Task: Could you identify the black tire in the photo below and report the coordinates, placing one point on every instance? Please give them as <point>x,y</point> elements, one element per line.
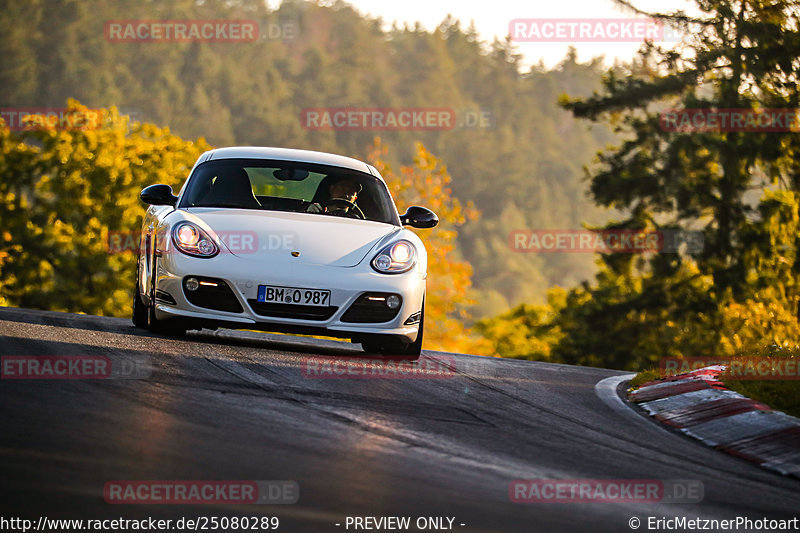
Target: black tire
<point>171,328</point>
<point>139,317</point>
<point>415,348</point>
<point>174,327</point>
<point>392,347</point>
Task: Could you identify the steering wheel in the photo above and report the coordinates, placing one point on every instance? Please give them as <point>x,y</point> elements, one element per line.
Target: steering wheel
<point>353,212</point>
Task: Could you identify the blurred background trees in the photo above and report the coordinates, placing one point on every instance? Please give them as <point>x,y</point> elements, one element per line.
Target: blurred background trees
<point>522,168</point>
<point>738,188</point>
<point>534,165</point>
<point>62,191</point>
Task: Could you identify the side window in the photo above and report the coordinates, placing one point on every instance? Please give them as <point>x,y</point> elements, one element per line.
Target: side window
<point>200,186</point>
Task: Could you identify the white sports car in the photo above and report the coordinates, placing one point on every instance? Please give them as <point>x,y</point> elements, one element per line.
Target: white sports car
<point>283,240</point>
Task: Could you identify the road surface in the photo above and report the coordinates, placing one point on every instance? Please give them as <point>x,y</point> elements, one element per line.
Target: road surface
<point>251,406</point>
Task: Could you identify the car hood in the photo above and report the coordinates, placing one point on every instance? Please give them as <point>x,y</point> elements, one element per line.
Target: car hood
<point>273,236</point>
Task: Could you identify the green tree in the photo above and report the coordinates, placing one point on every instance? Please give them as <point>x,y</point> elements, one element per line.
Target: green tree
<point>738,54</point>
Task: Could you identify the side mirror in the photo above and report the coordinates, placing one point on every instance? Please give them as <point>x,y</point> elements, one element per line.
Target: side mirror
<point>419,217</point>
<point>158,195</point>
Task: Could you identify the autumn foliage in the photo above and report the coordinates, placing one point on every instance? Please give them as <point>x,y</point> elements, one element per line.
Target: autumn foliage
<point>449,294</point>
<point>63,190</point>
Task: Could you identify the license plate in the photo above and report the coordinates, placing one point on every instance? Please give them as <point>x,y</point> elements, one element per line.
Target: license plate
<point>293,295</point>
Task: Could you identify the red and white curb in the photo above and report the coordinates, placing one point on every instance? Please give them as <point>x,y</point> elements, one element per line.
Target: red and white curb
<point>699,405</point>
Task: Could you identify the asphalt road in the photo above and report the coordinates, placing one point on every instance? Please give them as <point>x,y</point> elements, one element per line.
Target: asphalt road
<point>247,406</point>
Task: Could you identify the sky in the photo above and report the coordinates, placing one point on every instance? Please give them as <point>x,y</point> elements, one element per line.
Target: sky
<point>492,19</point>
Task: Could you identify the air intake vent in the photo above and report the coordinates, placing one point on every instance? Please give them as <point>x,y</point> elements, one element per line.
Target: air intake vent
<point>211,293</point>
<point>374,307</point>
<point>302,312</point>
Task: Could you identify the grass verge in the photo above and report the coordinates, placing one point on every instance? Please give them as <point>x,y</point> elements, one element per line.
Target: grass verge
<point>781,364</point>
<point>782,393</point>
<point>644,376</point>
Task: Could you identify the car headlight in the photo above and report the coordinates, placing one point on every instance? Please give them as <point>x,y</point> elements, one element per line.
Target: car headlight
<point>192,240</point>
<point>396,258</point>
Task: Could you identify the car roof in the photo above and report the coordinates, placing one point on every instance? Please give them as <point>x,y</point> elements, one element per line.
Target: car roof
<point>288,154</point>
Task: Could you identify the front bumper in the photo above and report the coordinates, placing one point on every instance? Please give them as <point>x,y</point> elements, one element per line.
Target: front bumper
<point>346,284</point>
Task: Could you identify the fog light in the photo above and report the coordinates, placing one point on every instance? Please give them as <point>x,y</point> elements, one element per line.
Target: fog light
<point>192,284</point>
<point>393,301</point>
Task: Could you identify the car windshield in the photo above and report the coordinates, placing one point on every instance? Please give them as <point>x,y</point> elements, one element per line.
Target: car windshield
<point>289,186</point>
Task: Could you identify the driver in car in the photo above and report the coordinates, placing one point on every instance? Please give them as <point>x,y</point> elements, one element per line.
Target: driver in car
<point>346,189</point>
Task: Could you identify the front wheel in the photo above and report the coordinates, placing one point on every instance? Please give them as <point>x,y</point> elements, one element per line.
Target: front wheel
<point>139,317</point>
<point>172,327</point>
<point>394,347</point>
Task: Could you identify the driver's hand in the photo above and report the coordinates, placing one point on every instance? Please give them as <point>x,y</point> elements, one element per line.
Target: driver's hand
<point>314,208</point>
<point>339,207</point>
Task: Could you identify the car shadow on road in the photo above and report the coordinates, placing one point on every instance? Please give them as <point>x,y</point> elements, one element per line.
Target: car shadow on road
<point>253,339</point>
